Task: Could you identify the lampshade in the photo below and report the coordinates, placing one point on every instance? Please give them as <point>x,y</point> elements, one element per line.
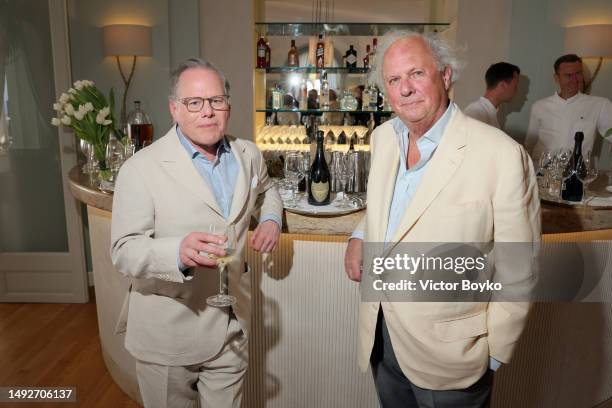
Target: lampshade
<point>589,40</point>
<point>127,40</point>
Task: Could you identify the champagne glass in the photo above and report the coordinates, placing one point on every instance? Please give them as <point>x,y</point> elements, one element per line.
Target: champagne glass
<point>115,155</point>
<point>294,172</point>
<point>342,172</point>
<point>222,299</point>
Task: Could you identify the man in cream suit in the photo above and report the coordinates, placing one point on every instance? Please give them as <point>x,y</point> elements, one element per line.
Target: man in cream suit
<point>167,198</point>
<point>439,176</point>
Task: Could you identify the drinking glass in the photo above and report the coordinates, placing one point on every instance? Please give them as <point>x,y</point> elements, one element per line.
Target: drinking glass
<point>587,171</point>
<point>85,148</point>
<point>342,171</point>
<point>115,154</point>
<point>222,299</point>
<point>294,172</point>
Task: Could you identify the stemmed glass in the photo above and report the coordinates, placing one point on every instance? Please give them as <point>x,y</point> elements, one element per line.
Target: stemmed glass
<point>222,299</point>
<point>586,171</point>
<point>294,172</point>
<point>342,171</point>
<point>115,155</point>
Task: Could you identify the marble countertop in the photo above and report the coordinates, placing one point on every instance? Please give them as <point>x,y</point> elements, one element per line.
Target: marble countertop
<point>555,218</point>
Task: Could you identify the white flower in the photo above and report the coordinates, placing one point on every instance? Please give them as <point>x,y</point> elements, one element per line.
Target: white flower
<point>58,106</point>
<point>89,107</point>
<point>65,120</point>
<point>64,98</point>
<point>99,119</point>
<point>72,91</point>
<point>104,112</point>
<point>79,85</point>
<point>107,122</point>
<point>79,115</point>
<point>55,122</point>
<point>69,109</point>
<point>88,83</point>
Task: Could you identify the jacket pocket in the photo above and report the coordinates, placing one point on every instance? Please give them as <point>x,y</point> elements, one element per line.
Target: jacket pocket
<point>461,328</point>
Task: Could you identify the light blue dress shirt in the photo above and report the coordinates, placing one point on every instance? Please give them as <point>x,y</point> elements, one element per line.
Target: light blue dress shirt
<point>220,175</point>
<point>407,180</point>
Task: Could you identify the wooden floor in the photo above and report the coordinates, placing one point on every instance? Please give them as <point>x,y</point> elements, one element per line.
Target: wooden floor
<point>55,345</point>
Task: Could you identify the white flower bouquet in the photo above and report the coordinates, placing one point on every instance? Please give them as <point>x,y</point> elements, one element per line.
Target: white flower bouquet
<point>86,111</point>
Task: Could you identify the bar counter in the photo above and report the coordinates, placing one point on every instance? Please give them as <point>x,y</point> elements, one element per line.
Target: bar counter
<point>303,342</point>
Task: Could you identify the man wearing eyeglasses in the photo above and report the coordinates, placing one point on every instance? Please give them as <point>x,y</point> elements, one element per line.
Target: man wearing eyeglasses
<point>167,197</point>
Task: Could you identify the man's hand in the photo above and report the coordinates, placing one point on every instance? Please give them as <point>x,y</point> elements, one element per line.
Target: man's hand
<point>197,242</point>
<point>265,236</point>
<point>353,259</point>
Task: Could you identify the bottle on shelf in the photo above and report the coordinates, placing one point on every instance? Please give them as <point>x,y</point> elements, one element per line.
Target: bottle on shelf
<point>572,188</point>
<point>303,98</point>
<point>324,94</point>
<point>373,53</point>
<point>268,54</point>
<point>366,94</point>
<point>319,181</point>
<point>350,57</point>
<point>366,59</point>
<point>320,52</point>
<point>293,59</point>
<point>277,97</point>
<point>140,127</point>
<point>373,98</point>
<point>261,52</point>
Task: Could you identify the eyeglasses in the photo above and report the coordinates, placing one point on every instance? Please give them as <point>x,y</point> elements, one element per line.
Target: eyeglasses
<point>196,103</point>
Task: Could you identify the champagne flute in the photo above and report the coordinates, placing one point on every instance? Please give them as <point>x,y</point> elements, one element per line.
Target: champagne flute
<point>294,172</point>
<point>222,299</point>
<point>587,172</point>
<point>341,170</point>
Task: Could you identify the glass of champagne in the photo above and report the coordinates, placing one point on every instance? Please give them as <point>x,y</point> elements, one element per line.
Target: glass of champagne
<point>222,299</point>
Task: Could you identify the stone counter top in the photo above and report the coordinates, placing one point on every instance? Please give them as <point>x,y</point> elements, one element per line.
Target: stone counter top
<point>555,218</point>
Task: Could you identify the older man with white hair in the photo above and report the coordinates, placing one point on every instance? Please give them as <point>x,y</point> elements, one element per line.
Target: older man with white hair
<point>438,176</point>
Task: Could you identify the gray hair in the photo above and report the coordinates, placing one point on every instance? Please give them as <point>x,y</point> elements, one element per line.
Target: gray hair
<point>441,50</point>
<point>191,63</point>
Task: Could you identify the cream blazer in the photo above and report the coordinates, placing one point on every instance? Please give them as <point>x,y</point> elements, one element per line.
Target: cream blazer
<point>479,186</point>
<point>159,199</point>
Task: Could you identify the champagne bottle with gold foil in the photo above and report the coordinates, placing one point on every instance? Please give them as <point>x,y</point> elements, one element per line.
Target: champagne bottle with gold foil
<point>319,181</point>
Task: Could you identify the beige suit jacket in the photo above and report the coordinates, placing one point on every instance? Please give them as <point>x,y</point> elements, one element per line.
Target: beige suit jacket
<point>159,199</point>
<point>479,186</point>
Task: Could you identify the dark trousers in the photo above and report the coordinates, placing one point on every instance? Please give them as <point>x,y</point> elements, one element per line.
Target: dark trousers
<point>395,390</point>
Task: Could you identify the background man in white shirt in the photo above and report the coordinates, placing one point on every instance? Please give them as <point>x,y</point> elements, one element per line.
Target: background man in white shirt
<point>502,81</point>
<point>554,120</point>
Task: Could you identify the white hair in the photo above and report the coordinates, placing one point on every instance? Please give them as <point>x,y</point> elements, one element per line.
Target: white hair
<point>191,63</point>
<point>442,51</point>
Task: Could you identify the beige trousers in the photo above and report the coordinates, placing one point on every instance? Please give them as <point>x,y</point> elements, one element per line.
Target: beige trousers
<point>216,383</point>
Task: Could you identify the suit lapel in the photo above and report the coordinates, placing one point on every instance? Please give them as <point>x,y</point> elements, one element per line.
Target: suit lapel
<point>176,161</point>
<point>392,161</point>
<point>243,179</point>
<point>440,169</point>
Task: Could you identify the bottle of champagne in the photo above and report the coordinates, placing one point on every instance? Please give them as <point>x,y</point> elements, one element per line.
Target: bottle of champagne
<point>572,189</point>
<point>350,57</point>
<point>320,52</point>
<point>319,182</point>
<point>293,57</point>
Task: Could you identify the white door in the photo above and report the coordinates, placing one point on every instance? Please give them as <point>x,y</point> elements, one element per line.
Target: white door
<point>41,240</point>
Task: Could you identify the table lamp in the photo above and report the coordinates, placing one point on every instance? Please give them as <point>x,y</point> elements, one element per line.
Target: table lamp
<point>590,41</point>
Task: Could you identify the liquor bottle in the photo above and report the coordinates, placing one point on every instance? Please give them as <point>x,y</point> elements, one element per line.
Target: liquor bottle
<point>373,53</point>
<point>293,57</point>
<point>373,98</point>
<point>319,182</point>
<point>365,98</point>
<point>140,128</point>
<point>572,189</point>
<point>324,94</point>
<point>277,97</point>
<point>366,59</point>
<point>261,52</point>
<point>268,54</point>
<point>320,53</point>
<point>350,57</point>
<point>303,98</point>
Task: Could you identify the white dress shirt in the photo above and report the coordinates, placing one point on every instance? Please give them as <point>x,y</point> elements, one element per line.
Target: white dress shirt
<point>554,121</point>
<point>484,111</point>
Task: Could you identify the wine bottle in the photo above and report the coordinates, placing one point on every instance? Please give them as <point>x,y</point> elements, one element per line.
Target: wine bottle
<point>320,52</point>
<point>293,57</point>
<point>261,52</point>
<point>350,57</point>
<point>572,189</point>
<point>319,182</point>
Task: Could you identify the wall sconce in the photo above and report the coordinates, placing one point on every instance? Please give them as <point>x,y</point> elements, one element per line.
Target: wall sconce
<point>127,40</point>
<point>590,41</point>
